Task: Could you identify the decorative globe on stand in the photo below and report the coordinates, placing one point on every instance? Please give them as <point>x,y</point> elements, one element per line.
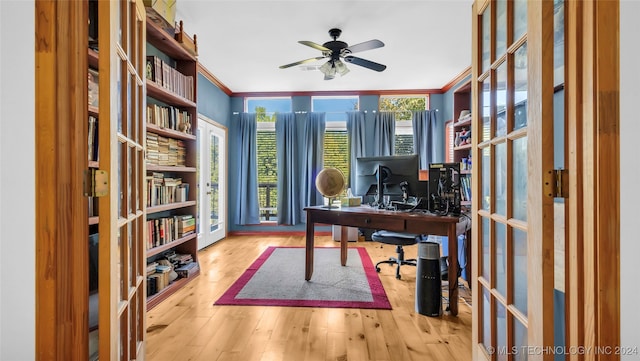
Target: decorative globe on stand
<point>330,183</point>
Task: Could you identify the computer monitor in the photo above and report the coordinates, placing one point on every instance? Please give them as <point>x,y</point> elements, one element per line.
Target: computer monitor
<point>399,176</point>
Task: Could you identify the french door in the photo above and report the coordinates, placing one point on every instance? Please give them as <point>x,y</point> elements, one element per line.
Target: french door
<point>513,233</point>
<point>212,185</point>
<point>546,222</point>
<point>122,286</point>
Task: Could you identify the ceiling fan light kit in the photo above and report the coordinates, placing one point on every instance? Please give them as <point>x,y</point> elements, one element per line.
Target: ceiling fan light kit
<point>337,51</point>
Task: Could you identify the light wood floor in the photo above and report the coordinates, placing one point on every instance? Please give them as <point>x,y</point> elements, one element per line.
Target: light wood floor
<point>187,326</point>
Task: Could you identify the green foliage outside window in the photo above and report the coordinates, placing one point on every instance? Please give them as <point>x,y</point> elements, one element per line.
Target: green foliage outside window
<point>336,153</point>
<point>402,106</point>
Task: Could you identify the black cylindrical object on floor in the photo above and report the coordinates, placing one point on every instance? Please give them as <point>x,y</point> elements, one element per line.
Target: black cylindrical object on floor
<point>428,283</point>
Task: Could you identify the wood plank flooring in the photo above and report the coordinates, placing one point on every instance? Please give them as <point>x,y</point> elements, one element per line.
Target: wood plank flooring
<point>187,326</point>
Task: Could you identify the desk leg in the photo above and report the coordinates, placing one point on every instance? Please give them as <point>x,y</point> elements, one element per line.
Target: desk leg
<point>308,266</point>
<point>453,269</point>
<point>343,244</point>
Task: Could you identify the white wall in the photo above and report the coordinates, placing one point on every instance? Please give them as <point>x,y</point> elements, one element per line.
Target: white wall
<point>17,180</point>
<point>629,192</point>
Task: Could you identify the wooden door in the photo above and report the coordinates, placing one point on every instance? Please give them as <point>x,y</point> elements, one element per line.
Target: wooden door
<point>122,288</point>
<point>513,89</point>
<point>61,155</point>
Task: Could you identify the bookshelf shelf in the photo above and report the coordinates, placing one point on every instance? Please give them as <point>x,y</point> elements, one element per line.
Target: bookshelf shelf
<point>160,168</point>
<point>176,285</point>
<point>462,147</point>
<point>158,92</point>
<point>94,220</point>
<point>157,250</point>
<point>169,132</point>
<point>463,123</point>
<point>93,111</point>
<point>170,206</point>
<point>175,110</point>
<point>165,43</point>
<point>94,164</point>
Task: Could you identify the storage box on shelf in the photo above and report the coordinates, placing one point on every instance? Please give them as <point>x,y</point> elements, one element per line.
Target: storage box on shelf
<point>171,162</point>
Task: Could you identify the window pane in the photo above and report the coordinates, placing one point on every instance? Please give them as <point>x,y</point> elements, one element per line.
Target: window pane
<point>335,143</point>
<point>501,178</point>
<point>486,109</point>
<point>486,318</point>
<point>486,248</point>
<point>501,100</point>
<point>486,178</point>
<point>214,179</point>
<point>520,270</point>
<point>521,84</point>
<point>267,174</point>
<point>270,105</point>
<point>558,42</point>
<point>501,331</point>
<point>404,144</point>
<point>486,39</point>
<point>519,190</point>
<point>519,18</point>
<point>500,258</point>
<point>519,340</point>
<point>501,27</point>
<point>335,107</point>
<point>403,106</point>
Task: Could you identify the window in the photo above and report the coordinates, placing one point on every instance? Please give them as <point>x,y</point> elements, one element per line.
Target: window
<point>403,106</point>
<point>265,109</point>
<point>335,138</point>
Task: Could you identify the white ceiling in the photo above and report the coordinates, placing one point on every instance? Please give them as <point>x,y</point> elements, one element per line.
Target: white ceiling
<point>242,43</point>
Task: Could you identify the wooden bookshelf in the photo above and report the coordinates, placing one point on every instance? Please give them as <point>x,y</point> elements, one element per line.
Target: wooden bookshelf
<point>181,109</point>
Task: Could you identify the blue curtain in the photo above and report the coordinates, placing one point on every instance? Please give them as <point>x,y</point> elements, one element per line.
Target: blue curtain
<point>424,136</point>
<point>384,133</point>
<point>288,156</point>
<point>356,138</point>
<point>248,210</point>
<point>313,159</point>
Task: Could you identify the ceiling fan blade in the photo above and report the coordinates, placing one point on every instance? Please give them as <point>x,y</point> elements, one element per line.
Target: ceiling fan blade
<point>314,45</point>
<point>367,45</point>
<point>301,62</point>
<point>365,63</point>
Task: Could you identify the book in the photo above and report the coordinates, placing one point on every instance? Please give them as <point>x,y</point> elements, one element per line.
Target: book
<point>187,270</point>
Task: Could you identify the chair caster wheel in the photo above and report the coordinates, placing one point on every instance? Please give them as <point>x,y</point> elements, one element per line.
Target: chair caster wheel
<point>398,277</point>
<point>377,269</point>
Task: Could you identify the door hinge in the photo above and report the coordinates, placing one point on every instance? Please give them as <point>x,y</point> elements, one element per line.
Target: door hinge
<point>557,183</point>
<point>96,183</point>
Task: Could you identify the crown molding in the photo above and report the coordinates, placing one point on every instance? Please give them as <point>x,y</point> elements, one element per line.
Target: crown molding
<point>207,74</point>
<point>456,80</point>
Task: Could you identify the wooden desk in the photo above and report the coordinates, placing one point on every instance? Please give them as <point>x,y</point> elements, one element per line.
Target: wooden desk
<point>397,221</point>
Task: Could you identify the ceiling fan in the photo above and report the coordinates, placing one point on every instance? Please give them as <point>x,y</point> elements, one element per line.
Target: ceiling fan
<point>336,50</point>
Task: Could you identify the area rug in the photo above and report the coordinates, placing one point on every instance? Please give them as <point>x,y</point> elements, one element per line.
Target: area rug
<point>276,278</point>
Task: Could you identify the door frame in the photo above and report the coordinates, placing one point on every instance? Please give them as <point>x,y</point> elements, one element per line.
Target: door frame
<point>62,224</point>
<point>593,115</point>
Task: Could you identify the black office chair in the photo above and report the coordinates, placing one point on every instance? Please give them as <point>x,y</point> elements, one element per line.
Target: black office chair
<point>399,240</point>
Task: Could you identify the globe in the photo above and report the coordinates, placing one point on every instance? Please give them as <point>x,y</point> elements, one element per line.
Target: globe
<point>330,182</point>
